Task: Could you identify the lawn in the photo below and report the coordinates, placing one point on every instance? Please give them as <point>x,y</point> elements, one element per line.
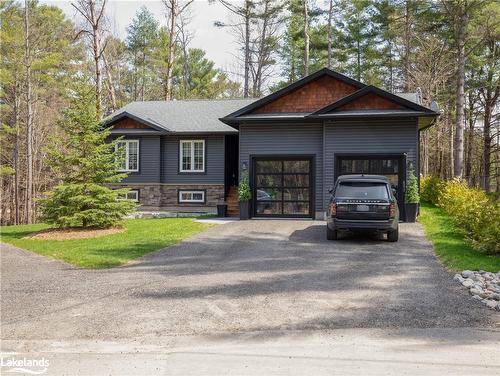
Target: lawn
<point>142,236</point>
<point>450,245</point>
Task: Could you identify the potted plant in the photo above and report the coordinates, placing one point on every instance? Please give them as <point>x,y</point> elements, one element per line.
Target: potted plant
<point>244,196</point>
<point>412,198</point>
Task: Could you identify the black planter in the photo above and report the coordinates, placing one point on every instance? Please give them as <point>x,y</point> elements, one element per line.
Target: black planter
<point>221,210</point>
<point>411,212</point>
<point>244,210</point>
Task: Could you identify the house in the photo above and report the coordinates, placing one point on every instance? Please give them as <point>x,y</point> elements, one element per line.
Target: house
<point>292,144</point>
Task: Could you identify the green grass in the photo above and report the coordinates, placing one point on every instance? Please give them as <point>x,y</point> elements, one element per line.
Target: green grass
<point>449,243</point>
<point>141,236</point>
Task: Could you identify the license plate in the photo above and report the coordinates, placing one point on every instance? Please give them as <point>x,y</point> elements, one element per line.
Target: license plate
<point>362,208</point>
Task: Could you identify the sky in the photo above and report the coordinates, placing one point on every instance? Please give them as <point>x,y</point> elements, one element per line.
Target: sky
<point>218,43</point>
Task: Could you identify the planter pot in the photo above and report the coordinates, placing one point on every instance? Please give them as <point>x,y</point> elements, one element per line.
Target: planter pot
<point>411,212</point>
<point>244,210</point>
<point>221,210</point>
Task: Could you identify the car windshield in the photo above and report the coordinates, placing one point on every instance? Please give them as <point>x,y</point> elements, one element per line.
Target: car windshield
<point>362,190</point>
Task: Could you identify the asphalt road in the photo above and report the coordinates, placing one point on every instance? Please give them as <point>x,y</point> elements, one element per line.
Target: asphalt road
<point>247,297</point>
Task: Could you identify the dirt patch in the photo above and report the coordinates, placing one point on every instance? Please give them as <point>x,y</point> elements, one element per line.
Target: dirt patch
<point>74,233</point>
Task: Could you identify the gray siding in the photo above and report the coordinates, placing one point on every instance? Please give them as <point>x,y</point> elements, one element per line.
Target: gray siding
<point>394,136</point>
<point>214,161</point>
<point>292,139</point>
<point>149,160</point>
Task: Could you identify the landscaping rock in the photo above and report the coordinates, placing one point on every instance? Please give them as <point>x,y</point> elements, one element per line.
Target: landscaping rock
<point>483,286</point>
<point>468,283</point>
<point>491,304</point>
<point>475,291</point>
<point>467,274</point>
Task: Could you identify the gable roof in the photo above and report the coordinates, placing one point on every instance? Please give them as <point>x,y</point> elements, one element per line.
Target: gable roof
<point>183,116</point>
<point>290,88</point>
<point>403,103</point>
<point>392,105</point>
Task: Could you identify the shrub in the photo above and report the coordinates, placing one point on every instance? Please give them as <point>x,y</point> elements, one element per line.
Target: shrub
<point>244,192</point>
<point>430,188</point>
<point>412,196</point>
<point>470,208</point>
<point>85,205</point>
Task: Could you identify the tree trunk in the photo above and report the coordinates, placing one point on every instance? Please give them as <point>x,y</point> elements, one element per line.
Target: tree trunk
<point>17,219</point>
<point>96,52</point>
<point>257,85</point>
<point>171,48</point>
<point>306,39</point>
<point>246,84</point>
<point>487,139</point>
<point>29,119</point>
<point>406,58</point>
<point>110,82</point>
<point>330,35</point>
<point>358,58</point>
<point>460,96</point>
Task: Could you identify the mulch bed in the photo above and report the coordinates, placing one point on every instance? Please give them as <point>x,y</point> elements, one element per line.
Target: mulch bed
<point>74,233</point>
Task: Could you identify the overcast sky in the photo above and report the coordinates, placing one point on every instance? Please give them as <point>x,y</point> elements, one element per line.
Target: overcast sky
<point>218,43</point>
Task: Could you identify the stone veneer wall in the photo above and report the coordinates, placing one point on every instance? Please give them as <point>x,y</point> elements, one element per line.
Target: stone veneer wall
<point>158,196</point>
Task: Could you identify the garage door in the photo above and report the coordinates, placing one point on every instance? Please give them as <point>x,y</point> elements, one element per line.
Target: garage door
<point>391,166</point>
<point>282,187</point>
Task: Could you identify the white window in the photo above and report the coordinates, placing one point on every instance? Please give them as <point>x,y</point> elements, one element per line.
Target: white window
<point>128,154</point>
<point>192,196</point>
<point>192,156</point>
<point>132,195</point>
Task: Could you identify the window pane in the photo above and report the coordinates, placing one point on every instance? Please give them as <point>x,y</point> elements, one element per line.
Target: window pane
<point>121,155</point>
<point>268,166</point>
<point>198,155</point>
<point>269,180</point>
<point>296,166</point>
<point>268,194</point>
<point>198,196</point>
<point>186,156</point>
<point>133,155</point>
<point>296,180</point>
<point>268,208</point>
<point>362,190</point>
<point>295,194</point>
<point>301,208</point>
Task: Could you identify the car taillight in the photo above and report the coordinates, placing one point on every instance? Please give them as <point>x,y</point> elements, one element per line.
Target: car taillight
<point>392,210</point>
<point>333,209</point>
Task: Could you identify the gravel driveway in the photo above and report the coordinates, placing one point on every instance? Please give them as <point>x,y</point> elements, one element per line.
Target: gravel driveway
<point>238,277</point>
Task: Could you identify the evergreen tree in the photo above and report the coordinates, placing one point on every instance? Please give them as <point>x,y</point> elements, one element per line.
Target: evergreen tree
<point>142,37</point>
<point>88,161</point>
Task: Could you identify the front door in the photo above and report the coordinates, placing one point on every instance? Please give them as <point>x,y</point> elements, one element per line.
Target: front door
<point>282,186</point>
<point>391,166</point>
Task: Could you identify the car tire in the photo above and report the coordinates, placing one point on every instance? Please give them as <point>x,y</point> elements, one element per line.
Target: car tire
<point>331,234</point>
<point>393,236</point>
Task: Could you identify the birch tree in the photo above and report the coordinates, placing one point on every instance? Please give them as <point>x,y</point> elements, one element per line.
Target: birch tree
<point>174,11</point>
<point>93,29</point>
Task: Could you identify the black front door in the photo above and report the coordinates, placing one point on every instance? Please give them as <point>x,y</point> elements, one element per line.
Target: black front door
<point>282,186</point>
<point>391,166</point>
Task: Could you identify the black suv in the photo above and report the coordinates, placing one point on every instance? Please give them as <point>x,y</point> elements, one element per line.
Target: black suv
<point>363,202</point>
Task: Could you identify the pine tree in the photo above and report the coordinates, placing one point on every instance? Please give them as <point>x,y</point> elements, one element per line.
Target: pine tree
<point>88,161</point>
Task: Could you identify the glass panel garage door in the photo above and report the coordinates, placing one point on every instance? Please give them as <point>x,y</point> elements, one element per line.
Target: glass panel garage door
<point>282,187</point>
<point>393,167</point>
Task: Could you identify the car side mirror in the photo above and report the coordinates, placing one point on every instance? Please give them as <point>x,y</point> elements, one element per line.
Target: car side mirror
<point>330,190</point>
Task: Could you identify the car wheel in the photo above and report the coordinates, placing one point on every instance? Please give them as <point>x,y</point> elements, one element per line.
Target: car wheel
<point>393,236</point>
<point>331,234</point>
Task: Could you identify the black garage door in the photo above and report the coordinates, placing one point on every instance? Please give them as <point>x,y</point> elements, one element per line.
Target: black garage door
<point>391,166</point>
<point>282,187</point>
